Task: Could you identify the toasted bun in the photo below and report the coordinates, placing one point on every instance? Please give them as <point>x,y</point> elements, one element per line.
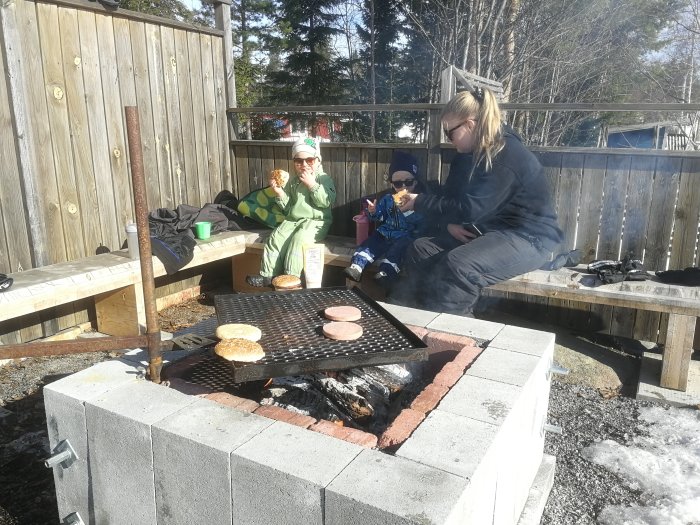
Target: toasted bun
<point>286,281</point>
<point>238,331</point>
<point>241,350</point>
<point>399,195</point>
<point>280,177</point>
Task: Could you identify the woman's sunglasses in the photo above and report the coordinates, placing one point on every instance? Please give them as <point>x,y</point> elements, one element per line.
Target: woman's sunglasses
<point>450,132</point>
<point>309,160</point>
<point>403,183</point>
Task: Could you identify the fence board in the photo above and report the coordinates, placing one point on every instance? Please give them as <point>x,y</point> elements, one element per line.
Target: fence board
<point>200,125</point>
<point>685,229</point>
<point>149,142</point>
<point>127,92</point>
<point>255,174</point>
<point>38,128</point>
<point>614,191</point>
<point>214,158</point>
<point>368,174</point>
<point>268,162</point>
<point>114,121</point>
<point>334,165</point>
<point>190,181</point>
<point>591,205</point>
<point>220,114</point>
<point>240,153</point>
<point>172,105</point>
<point>14,240</point>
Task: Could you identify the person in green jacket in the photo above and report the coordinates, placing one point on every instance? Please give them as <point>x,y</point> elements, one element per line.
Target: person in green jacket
<point>306,201</point>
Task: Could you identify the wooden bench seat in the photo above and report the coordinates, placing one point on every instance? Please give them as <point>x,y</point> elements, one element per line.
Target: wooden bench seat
<point>114,281</point>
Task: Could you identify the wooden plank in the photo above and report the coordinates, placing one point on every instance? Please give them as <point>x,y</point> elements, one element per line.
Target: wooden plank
<point>156,71</point>
<point>101,154</point>
<point>267,162</point>
<point>353,179</point>
<point>241,156</point>
<point>334,165</point>
<point>127,92</point>
<point>39,129</point>
<point>220,91</point>
<point>368,173</point>
<point>677,351</point>
<point>634,230</point>
<point>14,242</point>
<point>208,87</point>
<point>591,205</point>
<point>198,115</point>
<point>614,193</point>
<point>172,105</point>
<point>255,174</point>
<point>149,142</point>
<point>687,215</point>
<point>189,148</point>
<point>114,121</point>
<point>383,162</point>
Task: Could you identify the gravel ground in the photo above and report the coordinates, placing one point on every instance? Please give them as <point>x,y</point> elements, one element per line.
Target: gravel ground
<point>581,489</point>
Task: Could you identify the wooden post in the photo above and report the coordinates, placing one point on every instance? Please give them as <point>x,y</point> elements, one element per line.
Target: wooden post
<point>222,9</point>
<point>677,350</point>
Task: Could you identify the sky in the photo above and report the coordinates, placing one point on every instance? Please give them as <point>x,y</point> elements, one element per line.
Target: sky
<point>663,462</point>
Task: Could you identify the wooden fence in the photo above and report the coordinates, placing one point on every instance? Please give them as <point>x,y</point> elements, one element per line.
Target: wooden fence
<point>609,202</point>
<point>69,67</point>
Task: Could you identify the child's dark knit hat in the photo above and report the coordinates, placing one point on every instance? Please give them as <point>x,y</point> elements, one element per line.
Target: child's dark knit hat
<point>402,161</point>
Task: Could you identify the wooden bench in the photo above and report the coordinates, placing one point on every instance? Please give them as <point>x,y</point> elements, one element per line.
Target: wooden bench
<point>115,283</point>
<point>113,279</point>
<point>682,303</point>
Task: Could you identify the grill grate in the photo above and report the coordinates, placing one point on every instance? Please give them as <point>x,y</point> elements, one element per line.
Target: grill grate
<point>291,324</point>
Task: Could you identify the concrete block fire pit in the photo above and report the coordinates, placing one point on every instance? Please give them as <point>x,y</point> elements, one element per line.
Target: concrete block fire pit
<point>147,453</point>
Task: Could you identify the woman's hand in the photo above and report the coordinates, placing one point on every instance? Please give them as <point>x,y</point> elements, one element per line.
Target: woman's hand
<point>371,205</point>
<point>307,176</point>
<point>279,192</point>
<point>460,233</point>
<point>408,201</point>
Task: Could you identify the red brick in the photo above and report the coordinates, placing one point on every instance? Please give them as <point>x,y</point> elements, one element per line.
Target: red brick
<point>467,356</point>
<point>280,414</point>
<point>441,341</point>
<point>449,375</point>
<point>429,398</point>
<point>239,403</point>
<point>191,389</point>
<point>351,435</point>
<point>418,330</point>
<point>401,428</point>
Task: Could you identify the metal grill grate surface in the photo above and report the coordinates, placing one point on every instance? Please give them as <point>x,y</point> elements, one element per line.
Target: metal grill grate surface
<point>291,324</point>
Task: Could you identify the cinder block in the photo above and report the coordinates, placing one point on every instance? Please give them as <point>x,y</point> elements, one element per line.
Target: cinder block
<point>474,328</point>
<point>504,365</point>
<point>455,444</point>
<point>377,488</point>
<point>406,315</point>
<point>191,459</point>
<point>539,492</point>
<point>119,439</point>
<point>283,471</point>
<point>482,399</point>
<point>524,340</point>
<point>65,419</point>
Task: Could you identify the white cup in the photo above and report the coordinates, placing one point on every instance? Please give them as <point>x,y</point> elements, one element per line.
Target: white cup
<point>132,240</point>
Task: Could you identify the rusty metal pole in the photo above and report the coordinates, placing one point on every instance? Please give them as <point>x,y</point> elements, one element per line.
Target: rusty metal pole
<point>133,131</point>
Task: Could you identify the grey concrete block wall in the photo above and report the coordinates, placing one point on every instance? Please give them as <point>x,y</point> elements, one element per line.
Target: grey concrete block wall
<point>280,475</point>
<point>64,404</point>
<point>121,459</point>
<point>192,461</point>
<point>455,324</point>
<point>379,489</point>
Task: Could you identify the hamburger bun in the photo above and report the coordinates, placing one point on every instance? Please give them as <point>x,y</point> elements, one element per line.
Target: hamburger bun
<point>238,331</point>
<point>241,350</point>
<point>279,177</point>
<point>399,195</point>
<point>286,282</point>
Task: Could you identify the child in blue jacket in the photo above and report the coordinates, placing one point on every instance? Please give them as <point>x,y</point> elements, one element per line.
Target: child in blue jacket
<point>395,231</point>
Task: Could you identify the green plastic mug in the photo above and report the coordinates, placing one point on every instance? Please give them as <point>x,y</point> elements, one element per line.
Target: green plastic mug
<point>202,230</point>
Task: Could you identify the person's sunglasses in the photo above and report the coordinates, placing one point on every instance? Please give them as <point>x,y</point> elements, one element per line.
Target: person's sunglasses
<point>450,132</point>
<point>309,160</point>
<point>403,183</point>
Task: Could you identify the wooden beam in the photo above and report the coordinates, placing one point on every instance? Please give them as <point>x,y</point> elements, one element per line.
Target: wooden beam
<point>222,10</point>
<point>677,352</point>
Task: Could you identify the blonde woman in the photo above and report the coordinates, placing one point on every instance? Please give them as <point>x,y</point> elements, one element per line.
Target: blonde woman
<point>306,200</point>
<point>493,218</point>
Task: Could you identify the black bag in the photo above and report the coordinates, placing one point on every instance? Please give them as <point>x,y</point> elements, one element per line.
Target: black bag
<point>174,251</point>
<point>689,276</point>
<point>610,272</point>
